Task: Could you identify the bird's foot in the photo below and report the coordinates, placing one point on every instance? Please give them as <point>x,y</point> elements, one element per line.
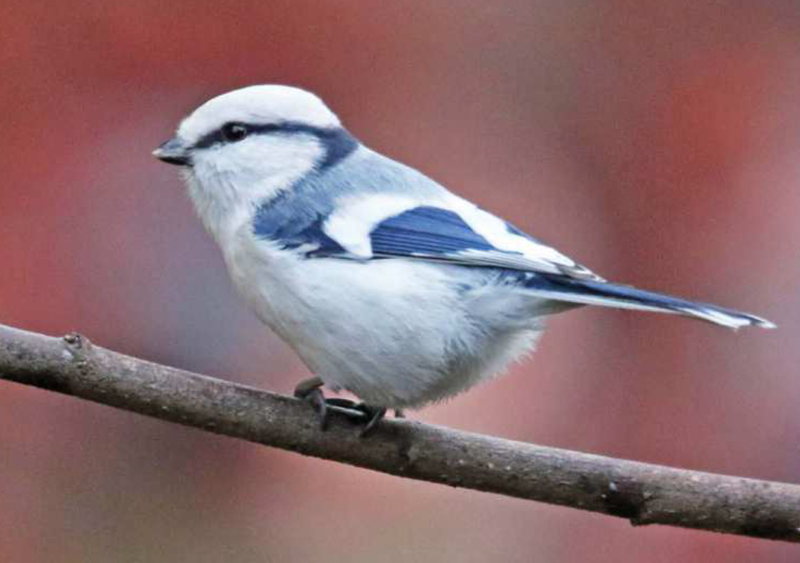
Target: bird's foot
<point>310,390</point>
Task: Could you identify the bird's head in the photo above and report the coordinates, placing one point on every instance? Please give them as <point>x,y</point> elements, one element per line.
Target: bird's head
<point>243,148</point>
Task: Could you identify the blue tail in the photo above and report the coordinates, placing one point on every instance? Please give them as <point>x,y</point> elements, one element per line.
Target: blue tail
<point>590,292</point>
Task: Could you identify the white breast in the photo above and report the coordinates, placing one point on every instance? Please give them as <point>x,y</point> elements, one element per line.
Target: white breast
<point>396,333</point>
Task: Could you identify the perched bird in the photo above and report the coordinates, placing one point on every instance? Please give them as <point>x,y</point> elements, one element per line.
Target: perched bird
<point>384,282</point>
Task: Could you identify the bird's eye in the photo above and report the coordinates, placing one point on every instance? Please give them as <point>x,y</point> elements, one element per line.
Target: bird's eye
<point>233,132</point>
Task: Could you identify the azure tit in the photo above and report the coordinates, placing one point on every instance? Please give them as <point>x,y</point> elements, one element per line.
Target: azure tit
<point>385,283</point>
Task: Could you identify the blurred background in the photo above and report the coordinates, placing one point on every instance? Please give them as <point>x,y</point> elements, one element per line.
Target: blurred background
<point>657,142</point>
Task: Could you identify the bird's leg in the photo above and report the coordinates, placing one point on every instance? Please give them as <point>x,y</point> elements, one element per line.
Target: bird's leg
<point>310,391</point>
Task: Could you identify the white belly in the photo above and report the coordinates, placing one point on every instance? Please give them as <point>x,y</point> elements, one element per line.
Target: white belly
<point>396,333</point>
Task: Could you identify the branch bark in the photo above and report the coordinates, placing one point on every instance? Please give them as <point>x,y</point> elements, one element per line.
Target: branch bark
<point>639,492</point>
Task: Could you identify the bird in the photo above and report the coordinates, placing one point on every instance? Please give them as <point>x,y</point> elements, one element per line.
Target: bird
<point>385,283</point>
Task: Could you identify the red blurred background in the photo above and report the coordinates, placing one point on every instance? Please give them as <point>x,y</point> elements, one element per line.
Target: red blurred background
<point>656,142</point>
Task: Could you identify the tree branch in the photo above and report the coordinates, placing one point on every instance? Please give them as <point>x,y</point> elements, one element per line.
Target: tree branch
<point>639,492</point>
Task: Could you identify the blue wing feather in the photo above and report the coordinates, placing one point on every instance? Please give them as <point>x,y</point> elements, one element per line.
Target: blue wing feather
<point>434,233</point>
<point>296,234</point>
<point>428,231</point>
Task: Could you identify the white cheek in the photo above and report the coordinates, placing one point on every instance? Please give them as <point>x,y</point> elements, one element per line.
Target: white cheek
<point>263,165</point>
<point>228,182</point>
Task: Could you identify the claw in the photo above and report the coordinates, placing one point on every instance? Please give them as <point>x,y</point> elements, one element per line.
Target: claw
<point>375,415</point>
<point>320,405</point>
<point>310,390</point>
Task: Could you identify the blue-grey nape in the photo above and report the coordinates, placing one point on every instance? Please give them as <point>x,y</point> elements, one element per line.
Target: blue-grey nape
<point>338,144</point>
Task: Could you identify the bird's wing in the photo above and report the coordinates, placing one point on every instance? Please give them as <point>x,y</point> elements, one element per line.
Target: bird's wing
<point>479,239</point>
<point>451,230</point>
<point>446,228</point>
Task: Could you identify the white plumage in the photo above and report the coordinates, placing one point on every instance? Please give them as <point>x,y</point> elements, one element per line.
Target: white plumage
<point>385,283</point>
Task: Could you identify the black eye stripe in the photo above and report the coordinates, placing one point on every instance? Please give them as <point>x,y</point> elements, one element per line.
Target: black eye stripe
<point>337,141</point>
<point>218,136</point>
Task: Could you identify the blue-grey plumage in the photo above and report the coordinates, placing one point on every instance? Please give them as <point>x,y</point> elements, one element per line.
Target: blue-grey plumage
<point>384,282</point>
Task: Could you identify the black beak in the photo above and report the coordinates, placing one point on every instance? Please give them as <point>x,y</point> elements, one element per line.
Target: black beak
<point>173,152</point>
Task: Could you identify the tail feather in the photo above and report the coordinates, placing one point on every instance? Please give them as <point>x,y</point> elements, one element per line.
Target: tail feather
<point>590,292</point>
